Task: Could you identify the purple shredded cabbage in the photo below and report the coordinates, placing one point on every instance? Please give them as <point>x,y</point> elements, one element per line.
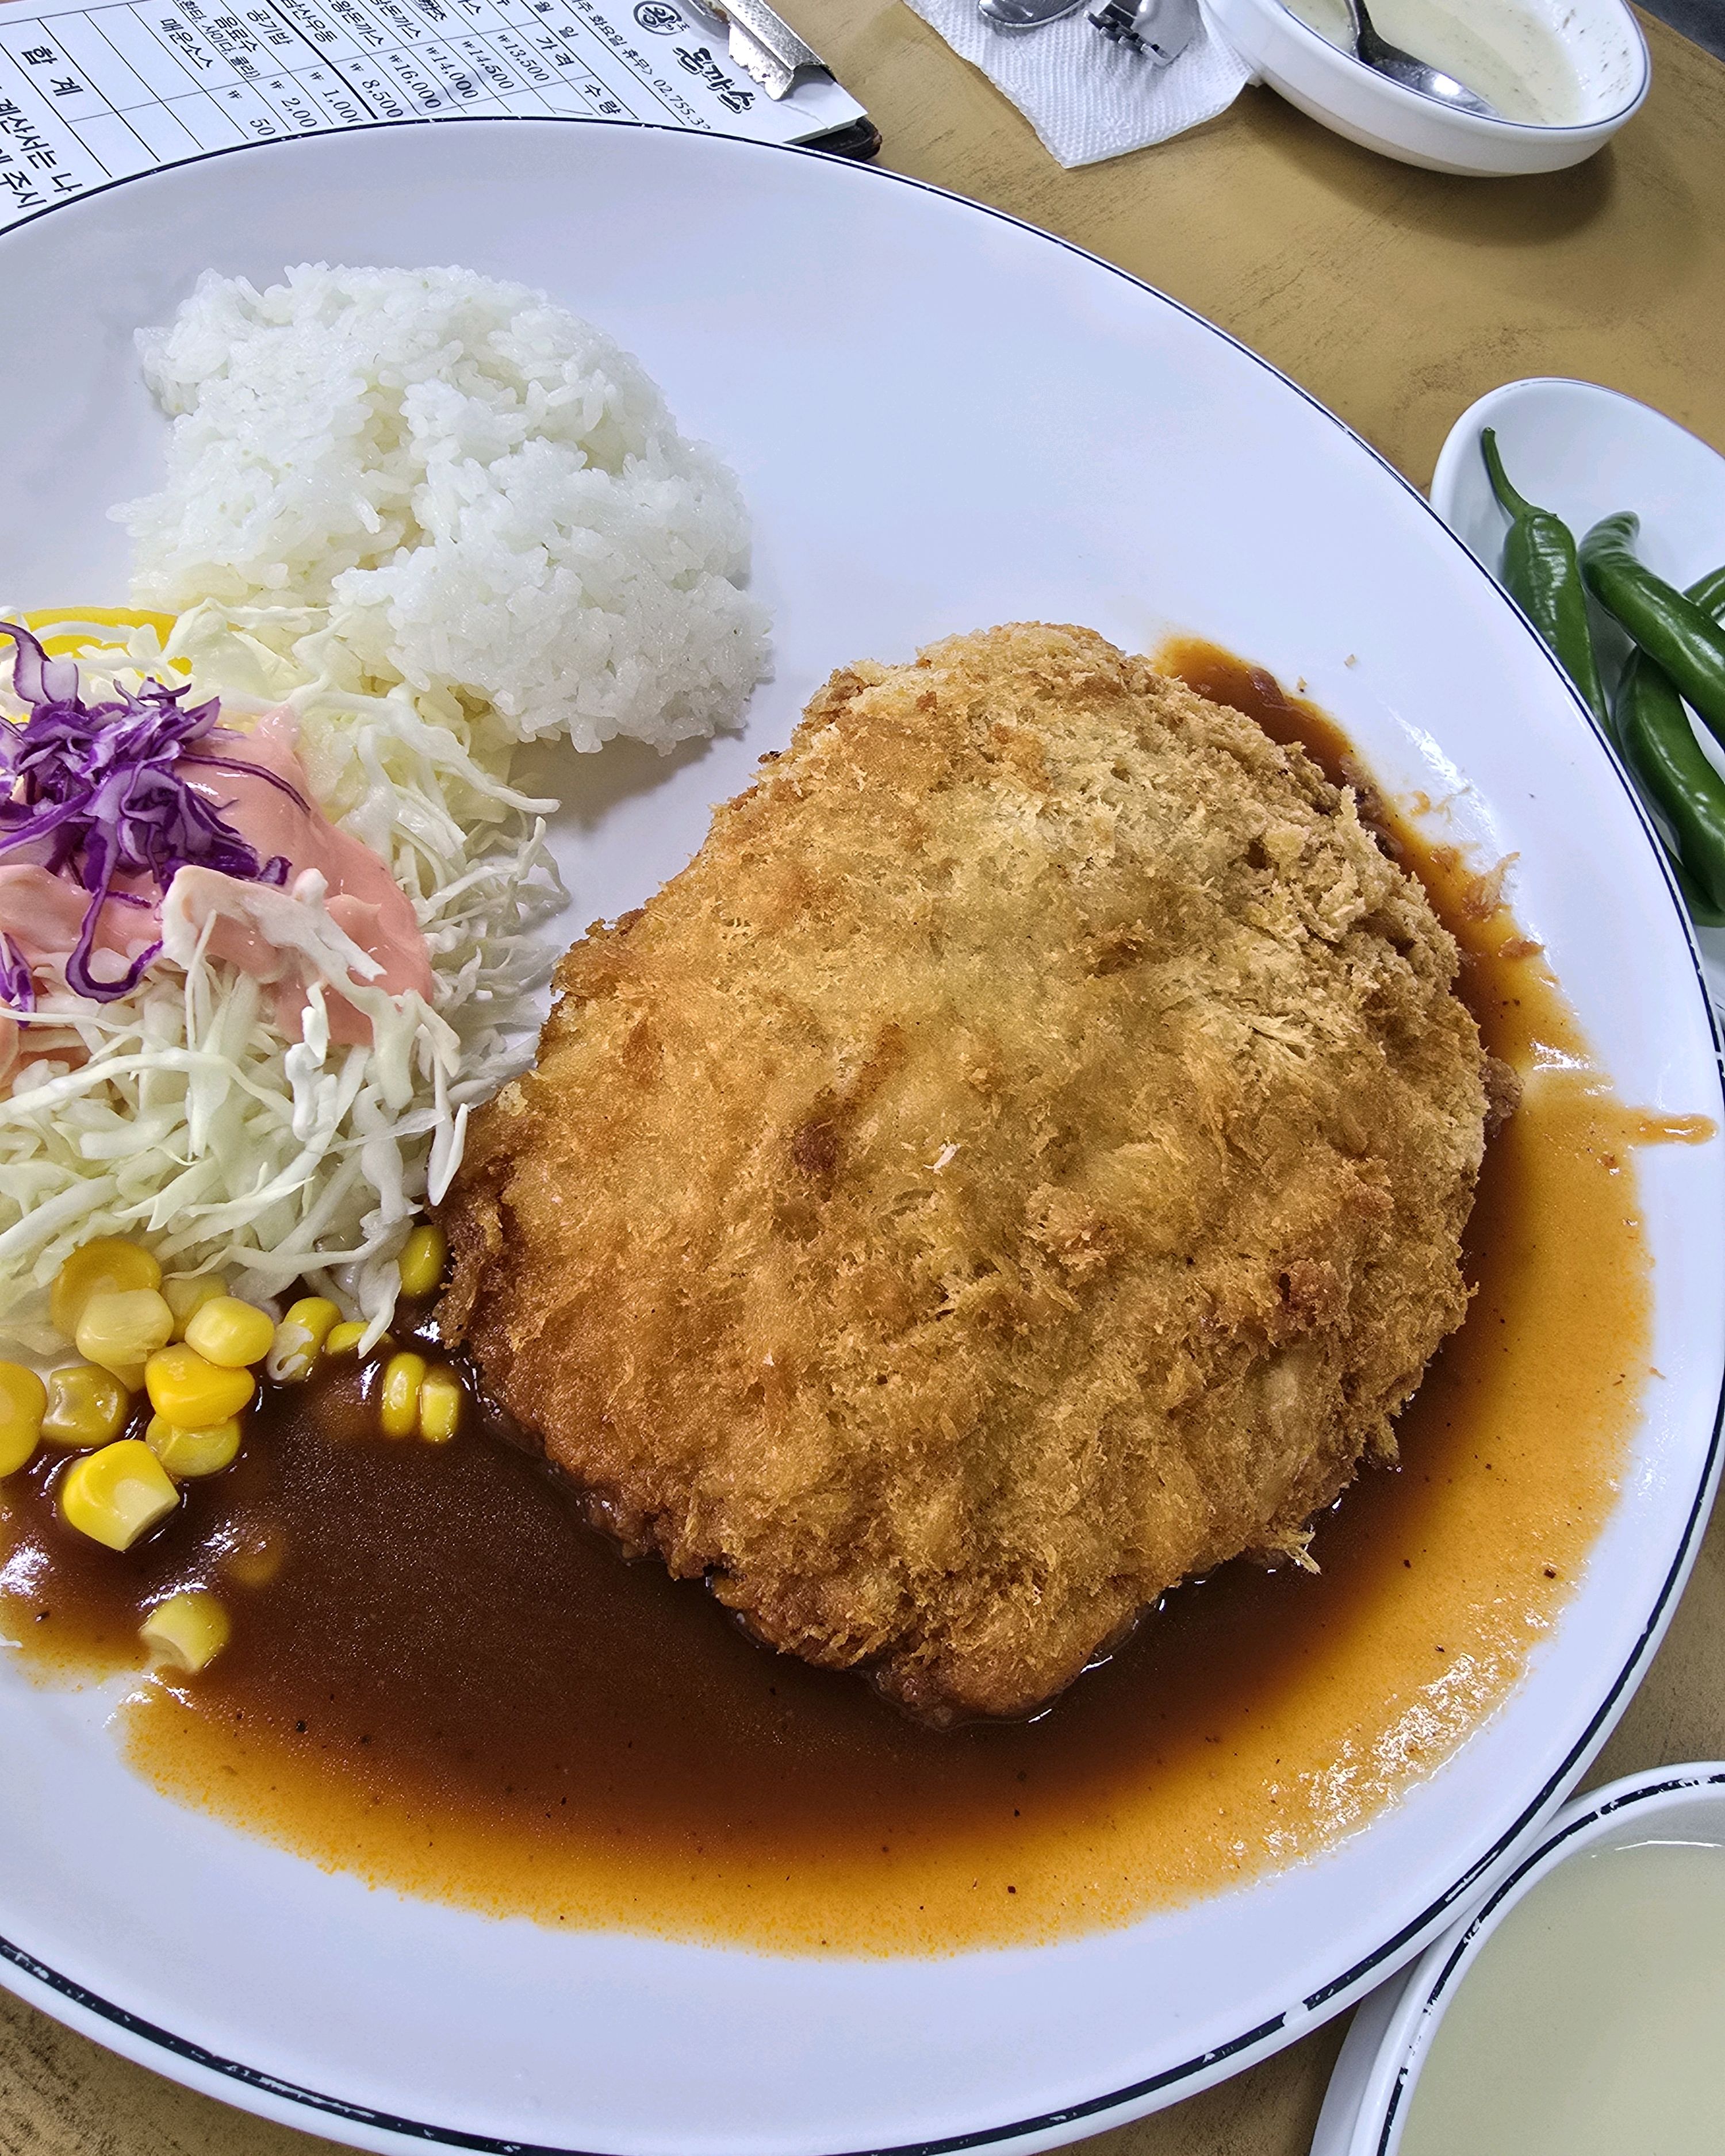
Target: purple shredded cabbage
<point>94,784</point>
<point>17,988</point>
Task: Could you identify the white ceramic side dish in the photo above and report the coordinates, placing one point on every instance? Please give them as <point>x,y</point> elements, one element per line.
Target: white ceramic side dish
<point>1372,2091</point>
<point>1585,452</point>
<point>1601,38</point>
<point>902,381</point>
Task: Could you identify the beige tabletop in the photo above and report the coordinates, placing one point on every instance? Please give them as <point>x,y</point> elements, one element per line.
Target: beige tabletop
<point>1397,297</point>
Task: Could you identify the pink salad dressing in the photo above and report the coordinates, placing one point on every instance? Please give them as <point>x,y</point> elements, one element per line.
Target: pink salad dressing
<point>365,901</point>
<point>43,913</point>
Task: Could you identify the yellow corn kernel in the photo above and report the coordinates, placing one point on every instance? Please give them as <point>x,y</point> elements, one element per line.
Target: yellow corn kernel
<point>117,1494</point>
<point>186,1454</point>
<point>187,1297</point>
<point>422,1261</point>
<point>300,1339</point>
<point>22,1399</point>
<point>187,1632</point>
<point>345,1337</point>
<point>398,1401</point>
<point>121,1328</point>
<point>192,1394</point>
<point>102,1267</point>
<point>230,1333</point>
<point>440,1403</point>
<point>86,1406</point>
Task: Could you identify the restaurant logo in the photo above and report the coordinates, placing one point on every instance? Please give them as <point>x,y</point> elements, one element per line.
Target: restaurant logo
<point>654,15</point>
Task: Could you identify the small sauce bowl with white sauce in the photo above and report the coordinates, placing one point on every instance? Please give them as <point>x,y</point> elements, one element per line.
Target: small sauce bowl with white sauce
<point>1563,76</point>
<point>1577,2012</point>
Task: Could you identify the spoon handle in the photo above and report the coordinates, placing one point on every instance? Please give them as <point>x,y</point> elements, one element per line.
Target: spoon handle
<point>1025,14</point>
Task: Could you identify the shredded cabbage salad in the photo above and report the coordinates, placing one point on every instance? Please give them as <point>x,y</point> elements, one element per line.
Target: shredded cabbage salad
<point>181,1111</point>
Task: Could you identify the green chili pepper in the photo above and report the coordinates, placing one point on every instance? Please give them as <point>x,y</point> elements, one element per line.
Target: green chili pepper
<point>1674,630</point>
<point>1541,574</point>
<point>1701,908</point>
<point>1660,749</point>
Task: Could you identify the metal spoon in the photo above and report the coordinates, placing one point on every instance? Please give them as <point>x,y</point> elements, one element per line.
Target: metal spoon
<point>1025,14</point>
<point>1413,74</point>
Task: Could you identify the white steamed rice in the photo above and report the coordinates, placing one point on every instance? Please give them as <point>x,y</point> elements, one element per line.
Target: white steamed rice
<point>488,495</point>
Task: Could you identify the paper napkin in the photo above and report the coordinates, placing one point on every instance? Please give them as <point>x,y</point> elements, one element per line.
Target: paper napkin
<point>1086,97</point>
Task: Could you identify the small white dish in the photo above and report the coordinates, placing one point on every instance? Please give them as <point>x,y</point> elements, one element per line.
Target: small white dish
<point>1372,2089</point>
<point>1585,452</point>
<point>1601,40</point>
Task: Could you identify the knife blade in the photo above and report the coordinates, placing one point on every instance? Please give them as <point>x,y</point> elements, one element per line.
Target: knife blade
<point>764,46</point>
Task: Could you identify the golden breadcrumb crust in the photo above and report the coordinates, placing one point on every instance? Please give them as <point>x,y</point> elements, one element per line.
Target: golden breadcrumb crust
<point>1019,1163</point>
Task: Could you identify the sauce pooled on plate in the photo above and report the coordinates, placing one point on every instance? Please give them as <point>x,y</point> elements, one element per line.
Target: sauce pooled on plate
<point>441,1679</point>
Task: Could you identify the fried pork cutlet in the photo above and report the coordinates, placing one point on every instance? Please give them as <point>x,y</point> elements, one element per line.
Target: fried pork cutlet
<point>1019,1163</point>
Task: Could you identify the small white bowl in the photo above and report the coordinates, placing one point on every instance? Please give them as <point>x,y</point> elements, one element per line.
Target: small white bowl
<point>1585,452</point>
<point>1372,2087</point>
<point>1602,38</point>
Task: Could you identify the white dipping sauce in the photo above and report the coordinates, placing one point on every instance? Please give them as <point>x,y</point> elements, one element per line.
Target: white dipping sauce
<point>1507,54</point>
<point>1593,2022</point>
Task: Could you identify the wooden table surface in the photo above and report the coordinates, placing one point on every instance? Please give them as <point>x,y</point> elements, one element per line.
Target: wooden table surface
<point>1397,297</point>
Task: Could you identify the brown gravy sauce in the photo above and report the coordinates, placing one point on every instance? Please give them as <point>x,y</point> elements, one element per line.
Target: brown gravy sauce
<point>441,1680</point>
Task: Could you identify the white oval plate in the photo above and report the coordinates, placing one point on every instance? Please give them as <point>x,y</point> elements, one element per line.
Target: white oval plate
<point>1585,452</point>
<point>942,420</point>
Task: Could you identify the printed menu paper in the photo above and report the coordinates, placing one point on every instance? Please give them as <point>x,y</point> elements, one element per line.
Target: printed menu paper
<point>92,95</point>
